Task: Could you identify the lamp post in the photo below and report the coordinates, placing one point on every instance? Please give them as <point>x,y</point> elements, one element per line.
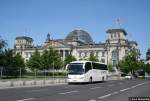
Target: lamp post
<point>1,72</point>
<point>107,49</point>
<point>20,74</point>
<point>53,71</point>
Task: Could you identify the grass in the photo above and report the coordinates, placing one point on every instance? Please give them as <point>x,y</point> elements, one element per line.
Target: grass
<point>39,76</point>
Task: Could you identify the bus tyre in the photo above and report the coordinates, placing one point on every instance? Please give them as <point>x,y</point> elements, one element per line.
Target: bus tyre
<point>103,79</point>
<point>90,81</point>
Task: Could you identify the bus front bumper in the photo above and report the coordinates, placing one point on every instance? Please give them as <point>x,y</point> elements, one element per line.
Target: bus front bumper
<point>75,80</point>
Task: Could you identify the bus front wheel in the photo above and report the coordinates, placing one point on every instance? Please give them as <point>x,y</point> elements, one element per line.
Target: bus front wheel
<point>103,79</point>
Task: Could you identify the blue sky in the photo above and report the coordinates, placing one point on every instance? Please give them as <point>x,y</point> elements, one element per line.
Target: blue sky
<point>35,18</point>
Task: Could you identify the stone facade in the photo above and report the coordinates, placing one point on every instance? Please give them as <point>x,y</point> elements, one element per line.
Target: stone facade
<point>114,49</point>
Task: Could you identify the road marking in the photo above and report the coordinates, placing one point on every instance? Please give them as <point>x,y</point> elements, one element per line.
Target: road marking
<point>122,90</point>
<point>92,100</point>
<point>95,88</point>
<point>102,97</point>
<point>134,86</point>
<point>37,90</point>
<point>120,83</point>
<point>28,99</point>
<point>111,85</point>
<point>113,93</point>
<point>69,92</point>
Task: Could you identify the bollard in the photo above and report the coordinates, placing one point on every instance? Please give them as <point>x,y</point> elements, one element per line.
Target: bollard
<point>44,82</point>
<point>56,81</point>
<point>24,83</point>
<point>65,80</point>
<point>34,82</point>
<point>11,84</point>
<point>52,81</point>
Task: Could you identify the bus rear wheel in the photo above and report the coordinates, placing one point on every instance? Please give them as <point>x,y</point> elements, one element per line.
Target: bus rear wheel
<point>90,81</point>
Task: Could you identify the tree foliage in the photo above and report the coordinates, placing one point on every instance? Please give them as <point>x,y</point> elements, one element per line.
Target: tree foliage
<point>148,54</point>
<point>10,63</point>
<point>130,63</point>
<point>34,62</point>
<point>2,45</point>
<point>51,58</point>
<point>69,59</point>
<point>13,64</point>
<point>2,51</point>
<point>147,68</point>
<point>93,58</point>
<point>110,67</point>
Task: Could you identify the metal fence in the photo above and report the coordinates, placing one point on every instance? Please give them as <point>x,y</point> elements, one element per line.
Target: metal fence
<point>36,74</point>
<point>33,78</point>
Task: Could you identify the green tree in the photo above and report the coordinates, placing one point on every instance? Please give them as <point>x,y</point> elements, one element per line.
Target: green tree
<point>58,64</point>
<point>69,59</point>
<point>13,64</point>
<point>2,51</point>
<point>130,63</point>
<point>46,60</point>
<point>147,65</point>
<point>93,58</point>
<point>110,67</point>
<point>2,45</point>
<point>51,58</point>
<point>148,54</point>
<point>147,68</point>
<point>34,62</point>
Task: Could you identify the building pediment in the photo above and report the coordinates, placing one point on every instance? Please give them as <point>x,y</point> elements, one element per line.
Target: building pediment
<point>54,43</point>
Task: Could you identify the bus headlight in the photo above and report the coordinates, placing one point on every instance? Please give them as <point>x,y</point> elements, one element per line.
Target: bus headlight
<point>68,78</point>
<point>81,77</point>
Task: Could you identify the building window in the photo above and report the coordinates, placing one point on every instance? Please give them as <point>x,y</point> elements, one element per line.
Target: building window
<point>115,35</point>
<point>114,62</point>
<point>97,53</point>
<point>83,55</point>
<point>80,54</point>
<point>118,35</point>
<point>103,54</point>
<point>126,51</point>
<point>26,55</point>
<point>66,52</point>
<point>103,60</point>
<point>111,36</point>
<point>61,53</point>
<point>114,55</point>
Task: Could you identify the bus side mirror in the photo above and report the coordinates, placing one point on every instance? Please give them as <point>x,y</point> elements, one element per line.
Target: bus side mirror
<point>67,66</point>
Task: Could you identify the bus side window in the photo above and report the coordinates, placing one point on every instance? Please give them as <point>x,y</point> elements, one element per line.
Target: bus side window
<point>96,66</point>
<point>88,67</point>
<point>103,67</point>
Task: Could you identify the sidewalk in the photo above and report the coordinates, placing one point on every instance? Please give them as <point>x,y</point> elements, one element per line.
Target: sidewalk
<point>5,84</point>
<point>30,83</point>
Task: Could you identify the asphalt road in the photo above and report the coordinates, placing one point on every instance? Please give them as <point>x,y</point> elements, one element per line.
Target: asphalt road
<point>106,91</point>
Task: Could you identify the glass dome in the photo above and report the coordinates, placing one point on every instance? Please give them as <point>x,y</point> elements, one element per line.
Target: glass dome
<point>79,35</point>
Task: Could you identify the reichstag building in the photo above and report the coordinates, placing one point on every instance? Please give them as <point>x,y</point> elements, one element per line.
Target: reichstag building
<point>80,44</point>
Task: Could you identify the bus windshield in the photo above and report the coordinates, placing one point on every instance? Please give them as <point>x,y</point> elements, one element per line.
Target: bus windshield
<point>75,68</point>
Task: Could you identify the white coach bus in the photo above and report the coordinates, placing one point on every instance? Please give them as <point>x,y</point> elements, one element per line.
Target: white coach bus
<point>86,71</point>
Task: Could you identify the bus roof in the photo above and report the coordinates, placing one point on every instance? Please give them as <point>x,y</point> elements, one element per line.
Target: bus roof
<point>84,61</point>
<point>80,61</point>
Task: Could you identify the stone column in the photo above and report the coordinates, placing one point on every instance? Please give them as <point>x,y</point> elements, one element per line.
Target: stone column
<point>63,55</point>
